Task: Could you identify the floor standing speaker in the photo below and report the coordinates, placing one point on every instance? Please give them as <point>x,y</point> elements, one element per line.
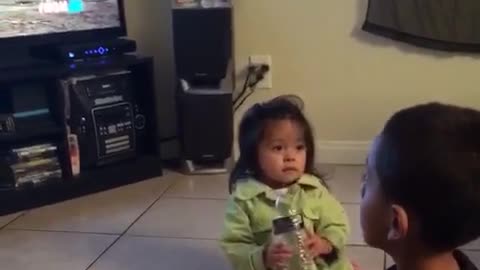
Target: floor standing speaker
<point>202,42</point>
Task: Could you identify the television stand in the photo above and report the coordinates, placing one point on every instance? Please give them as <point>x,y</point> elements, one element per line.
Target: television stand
<point>145,164</point>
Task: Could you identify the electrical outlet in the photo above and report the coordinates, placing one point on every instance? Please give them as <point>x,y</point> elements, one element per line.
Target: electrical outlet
<point>266,83</point>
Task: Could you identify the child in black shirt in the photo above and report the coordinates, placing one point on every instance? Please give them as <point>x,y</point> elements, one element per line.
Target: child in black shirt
<point>421,190</point>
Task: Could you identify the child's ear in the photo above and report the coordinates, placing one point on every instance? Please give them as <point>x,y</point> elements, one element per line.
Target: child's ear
<point>398,223</point>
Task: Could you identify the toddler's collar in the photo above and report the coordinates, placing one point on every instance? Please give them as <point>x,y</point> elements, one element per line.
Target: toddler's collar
<point>250,188</point>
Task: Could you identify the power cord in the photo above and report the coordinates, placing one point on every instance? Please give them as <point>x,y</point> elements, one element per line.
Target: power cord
<point>258,72</point>
<point>243,100</point>
<point>250,71</point>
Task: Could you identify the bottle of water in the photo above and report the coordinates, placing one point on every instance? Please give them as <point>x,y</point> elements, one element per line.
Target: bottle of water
<point>288,228</point>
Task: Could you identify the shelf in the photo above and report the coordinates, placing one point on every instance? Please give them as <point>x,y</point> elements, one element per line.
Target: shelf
<point>91,181</point>
<point>41,69</point>
<point>147,164</point>
<point>30,186</point>
<point>34,134</point>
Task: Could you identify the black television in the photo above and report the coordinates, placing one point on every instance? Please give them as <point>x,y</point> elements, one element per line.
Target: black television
<point>39,22</point>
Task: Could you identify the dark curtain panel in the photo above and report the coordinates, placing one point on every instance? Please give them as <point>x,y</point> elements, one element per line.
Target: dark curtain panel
<point>452,25</point>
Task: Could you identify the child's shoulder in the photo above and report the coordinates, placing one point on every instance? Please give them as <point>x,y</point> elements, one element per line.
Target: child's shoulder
<point>312,182</point>
<point>248,188</point>
<point>314,188</point>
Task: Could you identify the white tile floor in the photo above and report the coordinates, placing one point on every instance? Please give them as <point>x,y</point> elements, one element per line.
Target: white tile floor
<point>170,223</point>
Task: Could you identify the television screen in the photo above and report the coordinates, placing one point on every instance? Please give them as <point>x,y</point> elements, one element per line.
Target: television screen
<point>37,17</point>
<point>441,25</point>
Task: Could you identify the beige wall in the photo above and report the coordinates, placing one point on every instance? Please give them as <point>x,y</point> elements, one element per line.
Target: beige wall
<point>351,81</point>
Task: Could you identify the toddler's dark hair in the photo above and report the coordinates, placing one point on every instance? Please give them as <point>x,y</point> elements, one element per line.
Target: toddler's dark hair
<point>251,133</point>
<point>429,162</point>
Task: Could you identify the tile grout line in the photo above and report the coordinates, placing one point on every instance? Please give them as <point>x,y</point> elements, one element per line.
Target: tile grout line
<point>13,220</point>
<point>128,228</point>
<point>216,239</point>
<point>172,237</point>
<point>61,231</point>
<point>195,198</point>
<point>213,239</point>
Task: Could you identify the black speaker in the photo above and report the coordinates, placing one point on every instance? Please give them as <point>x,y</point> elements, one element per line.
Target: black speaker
<point>206,124</point>
<point>203,42</point>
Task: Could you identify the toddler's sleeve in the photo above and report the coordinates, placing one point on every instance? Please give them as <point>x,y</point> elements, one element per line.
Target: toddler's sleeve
<point>333,223</point>
<point>237,239</point>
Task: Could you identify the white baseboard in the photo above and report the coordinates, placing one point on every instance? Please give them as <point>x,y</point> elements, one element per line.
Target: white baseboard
<point>342,152</point>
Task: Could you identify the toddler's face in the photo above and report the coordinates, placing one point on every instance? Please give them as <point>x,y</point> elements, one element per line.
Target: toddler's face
<point>282,152</point>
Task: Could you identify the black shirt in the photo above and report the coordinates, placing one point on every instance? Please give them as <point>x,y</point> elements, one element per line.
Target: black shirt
<point>463,261</point>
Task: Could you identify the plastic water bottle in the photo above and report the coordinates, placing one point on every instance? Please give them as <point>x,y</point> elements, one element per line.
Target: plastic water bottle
<point>289,229</point>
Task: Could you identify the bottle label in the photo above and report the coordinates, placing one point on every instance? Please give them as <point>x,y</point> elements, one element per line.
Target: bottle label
<point>288,224</point>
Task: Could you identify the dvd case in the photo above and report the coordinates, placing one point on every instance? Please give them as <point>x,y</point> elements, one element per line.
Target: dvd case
<point>30,165</point>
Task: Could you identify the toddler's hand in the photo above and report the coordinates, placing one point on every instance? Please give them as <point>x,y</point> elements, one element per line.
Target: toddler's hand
<point>317,246</point>
<point>355,266</point>
<point>276,255</point>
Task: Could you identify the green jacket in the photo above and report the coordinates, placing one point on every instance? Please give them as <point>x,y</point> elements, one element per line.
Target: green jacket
<point>249,215</point>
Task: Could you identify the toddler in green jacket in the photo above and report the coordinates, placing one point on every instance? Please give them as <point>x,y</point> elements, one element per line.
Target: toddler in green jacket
<point>277,159</point>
